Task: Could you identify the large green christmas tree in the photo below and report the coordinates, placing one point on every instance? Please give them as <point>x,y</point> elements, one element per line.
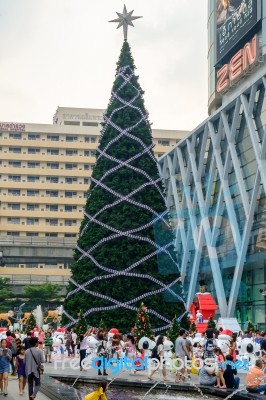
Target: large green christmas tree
<point>124,253</point>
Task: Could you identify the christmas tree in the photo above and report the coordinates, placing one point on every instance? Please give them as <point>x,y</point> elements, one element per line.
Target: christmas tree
<point>31,323</point>
<point>81,325</point>
<point>211,323</point>
<point>125,248</point>
<point>102,326</point>
<point>174,330</point>
<point>142,326</point>
<point>250,326</point>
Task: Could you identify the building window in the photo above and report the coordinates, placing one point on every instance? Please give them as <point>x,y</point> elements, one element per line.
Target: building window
<point>33,150</point>
<point>13,233</point>
<point>52,207</point>
<point>13,206</point>
<point>90,123</point>
<point>70,222</point>
<point>33,165</point>
<point>93,153</point>
<point>32,193</point>
<point>14,178</point>
<point>88,167</point>
<point>93,140</point>
<point>33,178</point>
<point>15,150</point>
<point>86,181</point>
<point>32,221</point>
<point>87,153</point>
<point>53,165</point>
<point>15,164</point>
<point>77,123</point>
<point>70,235</point>
<point>14,135</point>
<point>71,138</point>
<point>51,221</point>
<point>70,152</point>
<point>70,194</point>
<point>51,234</point>
<point>52,193</point>
<point>32,207</point>
<point>53,152</point>
<point>33,136</point>
<point>53,138</point>
<point>70,208</point>
<point>14,192</point>
<point>87,139</point>
<point>71,166</point>
<point>13,220</point>
<point>70,180</point>
<point>164,142</point>
<point>32,234</point>
<point>52,179</point>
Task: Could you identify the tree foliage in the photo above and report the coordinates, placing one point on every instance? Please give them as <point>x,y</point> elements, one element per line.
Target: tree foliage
<point>42,293</point>
<point>6,293</point>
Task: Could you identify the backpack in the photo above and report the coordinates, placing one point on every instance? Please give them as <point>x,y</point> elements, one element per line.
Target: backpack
<point>154,352</point>
<point>209,346</point>
<point>13,347</point>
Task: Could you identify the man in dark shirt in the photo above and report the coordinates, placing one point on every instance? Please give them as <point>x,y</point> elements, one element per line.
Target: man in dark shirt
<point>26,341</point>
<point>231,381</point>
<point>263,343</point>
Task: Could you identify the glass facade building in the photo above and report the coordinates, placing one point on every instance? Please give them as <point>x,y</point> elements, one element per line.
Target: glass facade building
<point>215,183</point>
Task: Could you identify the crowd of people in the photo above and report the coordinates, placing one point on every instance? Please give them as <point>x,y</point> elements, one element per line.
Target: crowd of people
<point>23,355</point>
<point>22,358</point>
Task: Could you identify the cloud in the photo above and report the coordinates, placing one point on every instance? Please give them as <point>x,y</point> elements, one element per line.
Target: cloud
<point>64,52</point>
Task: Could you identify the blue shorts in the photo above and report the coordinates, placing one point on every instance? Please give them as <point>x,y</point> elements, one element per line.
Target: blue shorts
<point>4,370</point>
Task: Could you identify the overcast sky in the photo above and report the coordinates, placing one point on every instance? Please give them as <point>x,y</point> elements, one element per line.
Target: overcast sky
<point>64,53</point>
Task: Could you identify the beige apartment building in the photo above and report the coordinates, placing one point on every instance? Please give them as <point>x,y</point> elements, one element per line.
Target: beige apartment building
<point>44,179</point>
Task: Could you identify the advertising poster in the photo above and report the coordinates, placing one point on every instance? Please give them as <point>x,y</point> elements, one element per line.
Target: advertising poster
<point>234,19</point>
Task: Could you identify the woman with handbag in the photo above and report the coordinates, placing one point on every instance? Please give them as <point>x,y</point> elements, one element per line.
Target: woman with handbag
<point>33,367</point>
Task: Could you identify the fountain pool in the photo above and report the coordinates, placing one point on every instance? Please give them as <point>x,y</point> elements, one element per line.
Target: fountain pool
<point>119,393</point>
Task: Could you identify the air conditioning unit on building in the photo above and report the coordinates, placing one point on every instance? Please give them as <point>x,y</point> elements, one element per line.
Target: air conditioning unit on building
<point>22,266</point>
<point>41,266</point>
<point>60,266</point>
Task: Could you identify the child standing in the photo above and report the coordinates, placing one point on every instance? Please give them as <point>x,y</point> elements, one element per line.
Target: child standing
<point>220,371</point>
<point>20,368</point>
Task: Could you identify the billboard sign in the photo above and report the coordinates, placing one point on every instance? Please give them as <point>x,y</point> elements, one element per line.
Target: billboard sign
<point>234,19</point>
<point>243,60</point>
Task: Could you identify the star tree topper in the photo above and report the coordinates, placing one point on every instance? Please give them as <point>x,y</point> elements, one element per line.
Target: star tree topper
<point>124,20</point>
